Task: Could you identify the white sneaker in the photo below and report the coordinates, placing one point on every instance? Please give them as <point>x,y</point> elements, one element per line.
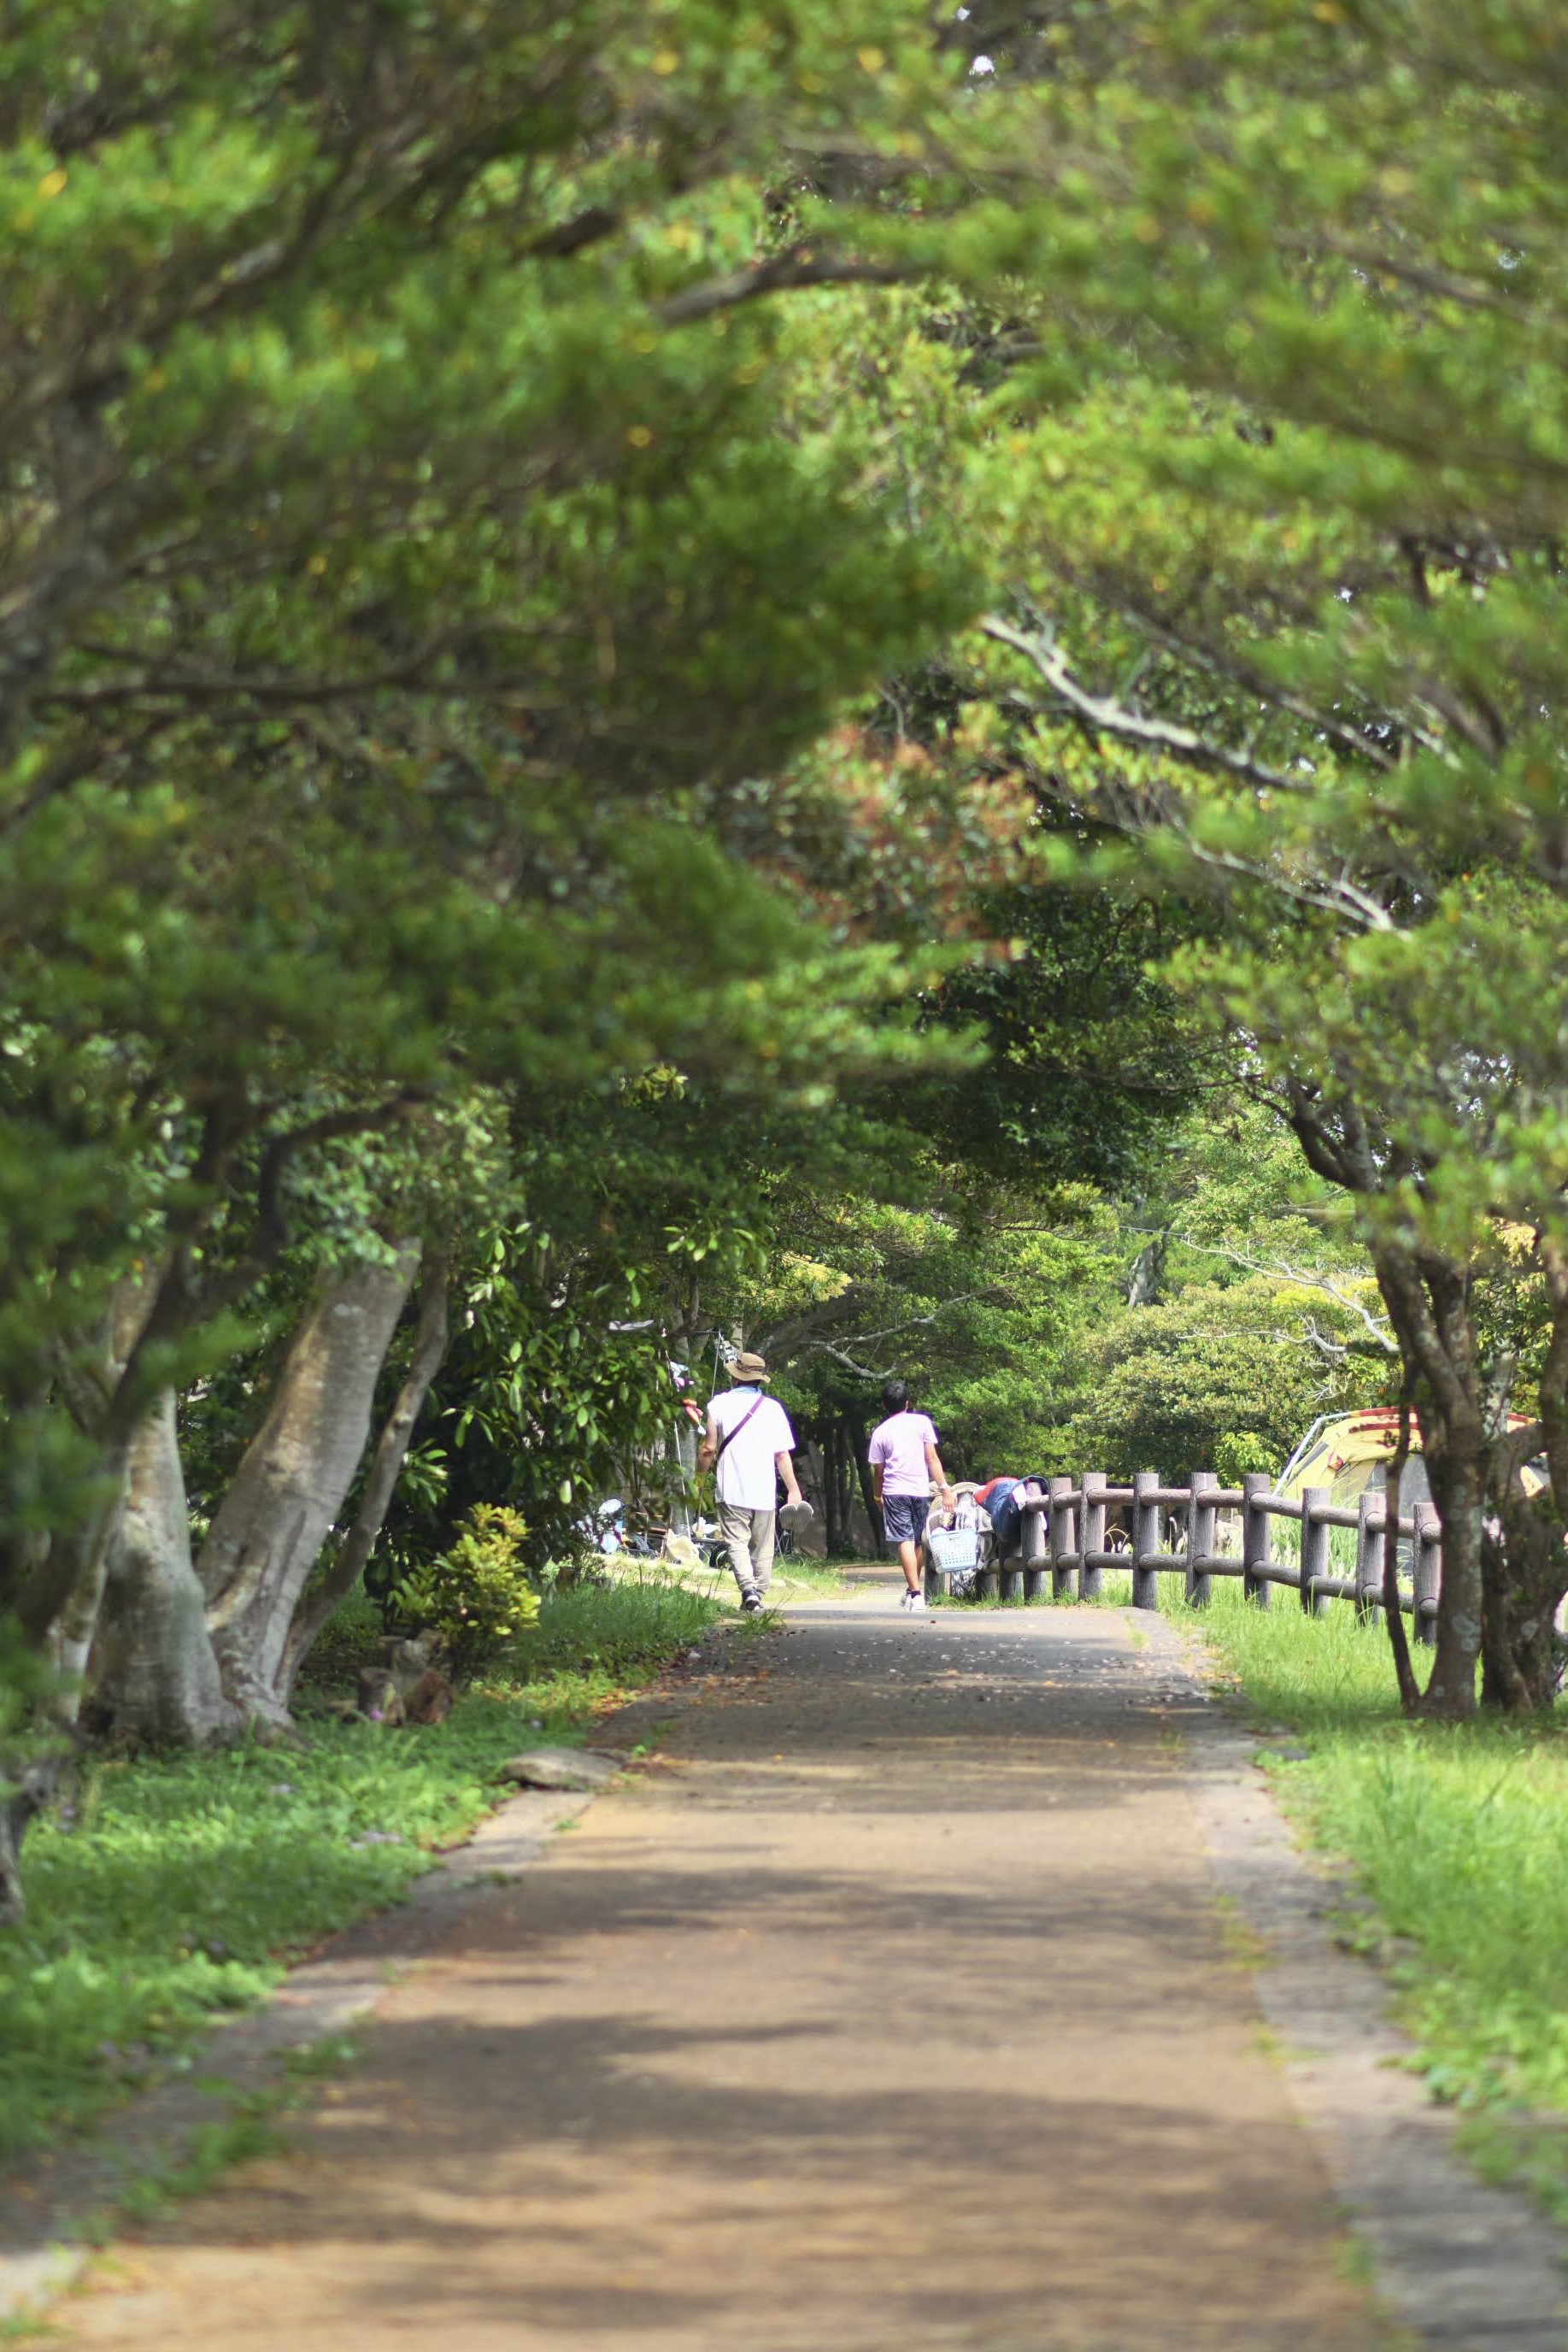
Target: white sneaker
<point>915,1602</point>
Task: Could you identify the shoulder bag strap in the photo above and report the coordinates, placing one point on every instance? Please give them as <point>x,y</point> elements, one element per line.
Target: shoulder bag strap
<point>757,1406</point>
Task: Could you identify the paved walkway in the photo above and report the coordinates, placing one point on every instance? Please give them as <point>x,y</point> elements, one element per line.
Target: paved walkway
<point>894,2010</point>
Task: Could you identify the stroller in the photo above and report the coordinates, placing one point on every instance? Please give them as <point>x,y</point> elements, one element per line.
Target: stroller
<point>952,1543</point>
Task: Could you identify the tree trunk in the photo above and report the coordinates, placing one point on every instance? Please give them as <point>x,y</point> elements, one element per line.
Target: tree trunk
<point>845,1464</point>
<point>1147,1272</point>
<point>29,1792</point>
<point>859,1442</point>
<point>392,1452</point>
<point>1455,1471</point>
<point>83,1553</point>
<point>832,1513</point>
<point>1429,1304</point>
<point>297,1470</point>
<point>1523,1574</point>
<point>1524,1563</point>
<point>153,1674</point>
<point>80,1555</point>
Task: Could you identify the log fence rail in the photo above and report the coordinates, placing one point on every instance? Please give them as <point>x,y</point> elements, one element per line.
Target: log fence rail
<point>1066,1549</point>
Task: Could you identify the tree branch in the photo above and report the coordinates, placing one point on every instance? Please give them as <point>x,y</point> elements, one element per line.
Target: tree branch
<point>1376,1325</point>
<point>1438,282</point>
<point>1107,717</point>
<point>799,267</point>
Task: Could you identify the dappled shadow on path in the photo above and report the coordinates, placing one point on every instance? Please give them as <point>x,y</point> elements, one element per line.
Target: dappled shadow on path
<point>892,2011</point>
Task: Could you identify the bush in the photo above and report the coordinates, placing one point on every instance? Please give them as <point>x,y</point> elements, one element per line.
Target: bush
<point>349,1640</point>
<point>477,1597</point>
<point>1239,1451</point>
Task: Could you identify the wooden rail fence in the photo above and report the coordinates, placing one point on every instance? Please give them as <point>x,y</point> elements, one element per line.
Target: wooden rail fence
<point>1064,1539</point>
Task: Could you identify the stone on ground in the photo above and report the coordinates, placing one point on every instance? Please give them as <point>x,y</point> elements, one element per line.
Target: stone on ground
<point>561,1767</point>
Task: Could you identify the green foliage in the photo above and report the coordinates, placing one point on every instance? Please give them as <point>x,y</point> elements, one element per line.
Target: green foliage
<point>1217,1376</point>
<point>1167,1387</point>
<point>1276,499</point>
<point>1007,1309</point>
<point>476,1596</point>
<point>347,1642</point>
<point>977,1302</point>
<point>460,539</point>
<point>181,1886</point>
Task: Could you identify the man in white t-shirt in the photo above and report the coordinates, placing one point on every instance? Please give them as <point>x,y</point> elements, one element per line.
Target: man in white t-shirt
<point>750,1437</point>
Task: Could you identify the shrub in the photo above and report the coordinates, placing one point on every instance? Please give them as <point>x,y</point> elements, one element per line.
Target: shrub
<point>350,1640</point>
<point>476,1596</point>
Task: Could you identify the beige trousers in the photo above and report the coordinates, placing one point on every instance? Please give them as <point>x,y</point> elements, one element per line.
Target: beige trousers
<point>749,1535</point>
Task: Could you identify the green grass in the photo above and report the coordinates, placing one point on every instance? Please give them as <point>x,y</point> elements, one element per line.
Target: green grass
<point>790,1577</point>
<point>185,1883</point>
<point>811,1575</point>
<point>1458,1835</point>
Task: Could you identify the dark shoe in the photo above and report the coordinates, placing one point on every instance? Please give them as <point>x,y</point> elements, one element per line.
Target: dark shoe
<point>751,1602</point>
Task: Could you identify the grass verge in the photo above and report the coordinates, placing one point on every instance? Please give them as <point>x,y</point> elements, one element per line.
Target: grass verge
<point>1458,1836</point>
<point>184,1885</point>
<point>792,1576</point>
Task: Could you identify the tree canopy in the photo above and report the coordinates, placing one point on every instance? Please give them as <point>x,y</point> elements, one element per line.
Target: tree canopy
<point>814,671</point>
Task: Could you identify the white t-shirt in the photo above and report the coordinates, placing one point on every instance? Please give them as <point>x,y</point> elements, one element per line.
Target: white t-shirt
<point>746,1471</point>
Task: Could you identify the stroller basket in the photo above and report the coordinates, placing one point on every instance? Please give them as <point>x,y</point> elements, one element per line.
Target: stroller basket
<point>954,1548</point>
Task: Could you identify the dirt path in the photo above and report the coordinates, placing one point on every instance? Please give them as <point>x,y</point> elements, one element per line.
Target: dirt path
<point>896,2009</point>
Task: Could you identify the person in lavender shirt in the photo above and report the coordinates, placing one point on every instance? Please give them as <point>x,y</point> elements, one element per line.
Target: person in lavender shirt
<point>905,1464</point>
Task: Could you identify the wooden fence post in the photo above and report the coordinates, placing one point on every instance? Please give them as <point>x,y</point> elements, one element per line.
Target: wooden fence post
<point>1091,1535</point>
<point>1256,1538</point>
<point>1315,1537</point>
<point>1369,1556</point>
<point>1427,1567</point>
<point>1146,1539</point>
<point>1201,1516</point>
<point>1061,1536</point>
<point>1033,1543</point>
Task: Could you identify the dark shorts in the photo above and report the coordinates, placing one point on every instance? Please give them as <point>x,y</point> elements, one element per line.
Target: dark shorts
<point>904,1518</point>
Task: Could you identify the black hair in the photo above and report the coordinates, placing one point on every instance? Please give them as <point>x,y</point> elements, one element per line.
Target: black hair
<point>895,1396</point>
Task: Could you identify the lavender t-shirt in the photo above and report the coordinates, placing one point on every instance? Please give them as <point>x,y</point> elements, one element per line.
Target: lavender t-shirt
<point>899,1445</point>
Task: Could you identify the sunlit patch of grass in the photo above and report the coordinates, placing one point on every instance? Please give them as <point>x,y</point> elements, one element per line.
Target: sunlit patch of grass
<point>185,1883</point>
<point>1458,1835</point>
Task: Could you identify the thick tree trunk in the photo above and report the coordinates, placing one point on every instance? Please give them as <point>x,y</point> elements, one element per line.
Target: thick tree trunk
<point>291,1484</point>
<point>154,1676</point>
<point>1523,1566</point>
<point>80,1555</point>
<point>1456,1470</point>
<point>1525,1562</point>
<point>83,1553</point>
<point>1502,1573</point>
<point>386,1468</point>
